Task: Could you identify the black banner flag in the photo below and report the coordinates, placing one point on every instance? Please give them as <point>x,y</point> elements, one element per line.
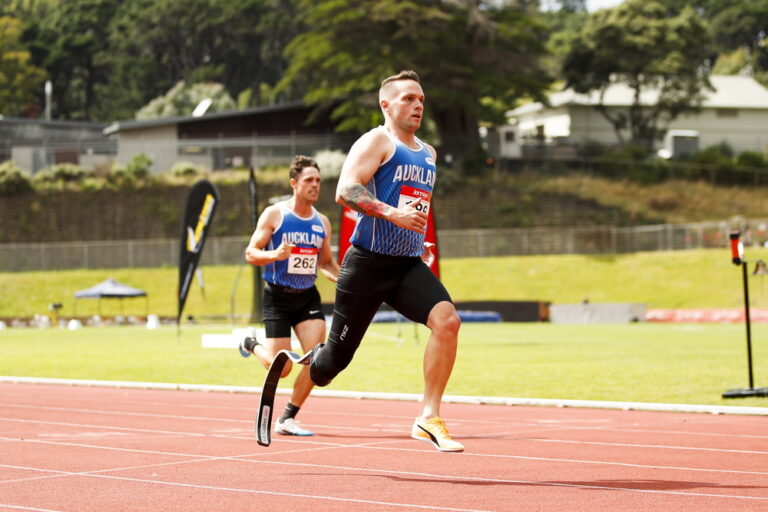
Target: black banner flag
<point>202,200</point>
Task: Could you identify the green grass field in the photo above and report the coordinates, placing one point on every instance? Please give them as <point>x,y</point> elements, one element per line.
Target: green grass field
<point>687,364</point>
<point>691,364</point>
<point>680,279</point>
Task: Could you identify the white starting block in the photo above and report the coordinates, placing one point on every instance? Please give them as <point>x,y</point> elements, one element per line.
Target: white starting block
<point>233,340</point>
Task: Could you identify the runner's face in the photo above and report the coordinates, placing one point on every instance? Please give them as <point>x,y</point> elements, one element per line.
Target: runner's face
<point>307,185</point>
<point>406,105</point>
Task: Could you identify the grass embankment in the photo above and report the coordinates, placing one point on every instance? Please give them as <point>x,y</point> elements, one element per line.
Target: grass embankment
<point>680,279</point>
<point>674,201</point>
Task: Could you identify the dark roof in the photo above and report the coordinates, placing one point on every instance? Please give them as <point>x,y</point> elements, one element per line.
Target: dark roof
<point>36,131</point>
<point>56,123</point>
<point>140,124</point>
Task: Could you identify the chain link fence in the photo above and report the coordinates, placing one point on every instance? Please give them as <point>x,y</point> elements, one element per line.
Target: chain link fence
<point>460,243</point>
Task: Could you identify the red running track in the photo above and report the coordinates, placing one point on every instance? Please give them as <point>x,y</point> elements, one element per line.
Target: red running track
<point>72,448</point>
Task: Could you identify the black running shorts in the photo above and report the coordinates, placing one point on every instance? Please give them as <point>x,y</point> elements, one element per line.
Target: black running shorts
<point>284,308</point>
<point>368,279</point>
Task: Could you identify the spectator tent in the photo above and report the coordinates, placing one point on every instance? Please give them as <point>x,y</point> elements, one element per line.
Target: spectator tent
<point>110,289</point>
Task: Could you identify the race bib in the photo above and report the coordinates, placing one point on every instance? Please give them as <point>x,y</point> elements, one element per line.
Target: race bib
<point>409,195</point>
<point>303,260</point>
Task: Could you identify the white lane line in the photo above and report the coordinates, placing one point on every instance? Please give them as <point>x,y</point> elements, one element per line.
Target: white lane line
<point>461,478</point>
<point>407,506</point>
<point>311,446</point>
<point>544,427</point>
<point>33,509</point>
<point>121,413</point>
<point>410,397</point>
<point>657,446</point>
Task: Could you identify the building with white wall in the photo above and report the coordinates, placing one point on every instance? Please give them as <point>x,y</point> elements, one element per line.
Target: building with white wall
<point>736,112</point>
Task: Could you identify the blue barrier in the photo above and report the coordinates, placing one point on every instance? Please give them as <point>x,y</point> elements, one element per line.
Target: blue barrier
<point>466,316</point>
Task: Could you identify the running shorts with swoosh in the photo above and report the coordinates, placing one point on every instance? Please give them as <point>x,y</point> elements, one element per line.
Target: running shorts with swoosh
<point>286,307</point>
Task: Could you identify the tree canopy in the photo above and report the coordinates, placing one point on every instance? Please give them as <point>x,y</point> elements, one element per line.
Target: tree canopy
<point>640,45</point>
<point>182,99</point>
<point>107,59</point>
<point>463,50</point>
<point>19,78</point>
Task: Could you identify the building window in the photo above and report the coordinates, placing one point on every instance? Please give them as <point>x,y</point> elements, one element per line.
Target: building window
<point>728,112</point>
<point>193,150</point>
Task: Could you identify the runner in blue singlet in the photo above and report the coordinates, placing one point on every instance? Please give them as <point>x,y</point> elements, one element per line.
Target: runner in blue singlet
<point>388,178</point>
<point>292,242</point>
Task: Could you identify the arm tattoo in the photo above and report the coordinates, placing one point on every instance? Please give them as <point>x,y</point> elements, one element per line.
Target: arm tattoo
<point>358,198</point>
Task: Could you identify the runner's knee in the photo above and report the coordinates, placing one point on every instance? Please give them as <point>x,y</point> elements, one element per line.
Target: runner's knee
<point>328,362</point>
<point>444,320</point>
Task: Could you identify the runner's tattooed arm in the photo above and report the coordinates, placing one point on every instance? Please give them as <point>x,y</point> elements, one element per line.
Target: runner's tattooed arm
<point>360,199</point>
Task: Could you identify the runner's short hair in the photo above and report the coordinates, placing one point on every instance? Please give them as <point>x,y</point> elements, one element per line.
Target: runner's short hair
<point>407,74</point>
<point>298,164</point>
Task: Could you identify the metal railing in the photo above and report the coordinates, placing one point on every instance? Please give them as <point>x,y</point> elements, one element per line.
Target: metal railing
<point>459,243</point>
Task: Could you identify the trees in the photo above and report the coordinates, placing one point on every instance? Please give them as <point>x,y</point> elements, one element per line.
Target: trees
<point>464,50</point>
<point>642,46</point>
<point>740,31</point>
<point>108,58</point>
<point>744,26</point>
<point>156,43</point>
<point>19,79</point>
<point>71,42</point>
<point>182,99</point>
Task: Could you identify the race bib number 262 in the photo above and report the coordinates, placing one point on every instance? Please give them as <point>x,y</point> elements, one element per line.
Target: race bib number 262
<point>410,195</point>
<point>303,260</point>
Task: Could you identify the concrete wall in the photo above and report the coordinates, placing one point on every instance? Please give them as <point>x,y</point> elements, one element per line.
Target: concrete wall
<point>589,313</point>
<point>159,143</point>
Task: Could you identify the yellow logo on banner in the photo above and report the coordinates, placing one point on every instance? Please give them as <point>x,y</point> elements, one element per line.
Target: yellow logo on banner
<point>195,238</point>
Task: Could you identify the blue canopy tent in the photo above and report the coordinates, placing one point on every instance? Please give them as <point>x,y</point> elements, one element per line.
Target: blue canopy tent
<point>110,289</point>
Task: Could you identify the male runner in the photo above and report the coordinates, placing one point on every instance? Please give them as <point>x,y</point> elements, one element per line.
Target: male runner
<point>388,178</point>
<point>292,241</point>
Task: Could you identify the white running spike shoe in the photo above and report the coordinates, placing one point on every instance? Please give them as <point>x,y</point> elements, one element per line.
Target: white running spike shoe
<point>290,427</point>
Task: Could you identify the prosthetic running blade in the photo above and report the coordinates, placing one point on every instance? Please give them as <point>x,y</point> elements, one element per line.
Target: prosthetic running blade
<point>266,404</point>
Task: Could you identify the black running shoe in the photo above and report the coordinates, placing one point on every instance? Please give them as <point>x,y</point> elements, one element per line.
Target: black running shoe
<point>247,345</point>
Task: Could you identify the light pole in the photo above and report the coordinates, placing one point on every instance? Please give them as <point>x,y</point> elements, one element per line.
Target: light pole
<point>48,92</point>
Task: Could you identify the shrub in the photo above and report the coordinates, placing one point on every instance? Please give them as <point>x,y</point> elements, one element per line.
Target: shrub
<point>591,149</point>
<point>139,166</point>
<point>718,162</point>
<point>751,159</point>
<point>134,171</point>
<point>184,169</point>
<point>62,173</point>
<point>13,180</point>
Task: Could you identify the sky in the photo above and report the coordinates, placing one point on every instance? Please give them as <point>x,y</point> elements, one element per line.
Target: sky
<point>593,5</point>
